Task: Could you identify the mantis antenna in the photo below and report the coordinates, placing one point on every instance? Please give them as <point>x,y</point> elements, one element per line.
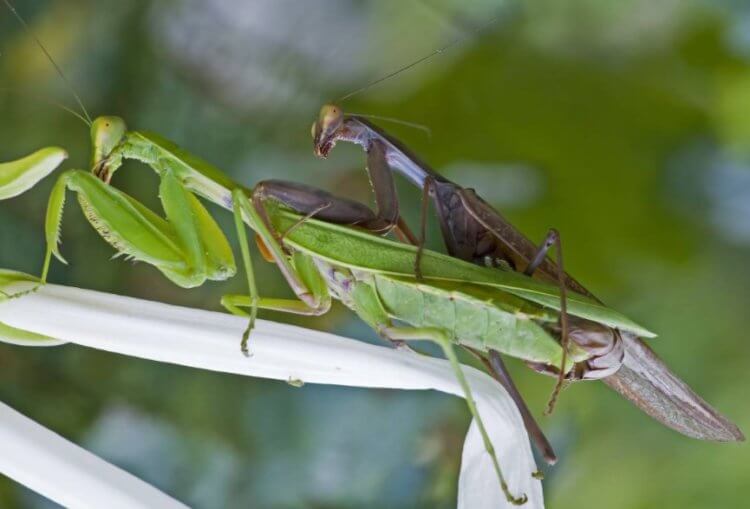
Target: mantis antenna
<point>52,61</point>
<point>413,125</point>
<point>478,30</point>
<point>56,104</point>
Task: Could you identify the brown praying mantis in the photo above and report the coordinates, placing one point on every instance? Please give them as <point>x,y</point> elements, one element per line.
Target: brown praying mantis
<point>474,231</point>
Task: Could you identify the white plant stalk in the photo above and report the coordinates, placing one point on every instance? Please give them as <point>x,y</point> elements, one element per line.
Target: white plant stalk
<point>210,340</point>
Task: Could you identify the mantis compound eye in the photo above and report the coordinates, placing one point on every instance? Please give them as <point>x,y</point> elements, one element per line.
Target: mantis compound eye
<point>330,116</point>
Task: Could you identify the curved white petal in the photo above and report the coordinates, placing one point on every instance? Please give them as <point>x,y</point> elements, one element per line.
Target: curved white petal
<point>60,470</point>
<point>210,340</point>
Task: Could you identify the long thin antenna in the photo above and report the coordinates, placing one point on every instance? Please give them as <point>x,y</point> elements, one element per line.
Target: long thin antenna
<point>439,51</point>
<point>413,125</point>
<point>49,57</point>
<point>48,101</point>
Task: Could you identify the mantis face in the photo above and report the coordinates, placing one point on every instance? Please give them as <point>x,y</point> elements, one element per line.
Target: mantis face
<point>106,134</point>
<point>325,129</point>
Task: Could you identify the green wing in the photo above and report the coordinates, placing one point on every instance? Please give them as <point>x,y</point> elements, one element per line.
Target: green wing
<point>363,251</point>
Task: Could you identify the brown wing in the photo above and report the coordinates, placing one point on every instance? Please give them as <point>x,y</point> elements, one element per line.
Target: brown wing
<point>473,229</point>
<point>643,378</point>
<point>648,383</point>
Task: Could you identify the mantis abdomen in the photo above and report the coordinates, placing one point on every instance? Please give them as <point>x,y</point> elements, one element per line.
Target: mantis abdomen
<point>472,317</point>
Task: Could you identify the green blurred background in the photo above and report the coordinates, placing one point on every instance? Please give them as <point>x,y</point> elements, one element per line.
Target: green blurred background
<point>624,124</point>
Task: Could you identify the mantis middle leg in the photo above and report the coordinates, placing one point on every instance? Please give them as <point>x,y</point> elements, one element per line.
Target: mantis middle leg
<point>444,341</point>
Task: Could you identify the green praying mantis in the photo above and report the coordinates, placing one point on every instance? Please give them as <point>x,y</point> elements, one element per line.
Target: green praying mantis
<point>333,255</point>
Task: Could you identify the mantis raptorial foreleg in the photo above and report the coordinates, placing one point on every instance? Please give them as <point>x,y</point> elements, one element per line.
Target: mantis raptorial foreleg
<point>381,179</point>
<point>422,226</point>
<point>187,247</point>
<point>306,199</point>
<point>200,177</point>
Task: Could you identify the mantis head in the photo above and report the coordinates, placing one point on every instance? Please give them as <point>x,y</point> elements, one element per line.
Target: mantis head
<point>326,128</point>
<point>106,134</point>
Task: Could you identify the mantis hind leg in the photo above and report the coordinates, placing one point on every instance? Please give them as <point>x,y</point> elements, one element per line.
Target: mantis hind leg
<point>441,338</point>
<point>496,366</point>
<point>553,239</point>
<point>429,183</point>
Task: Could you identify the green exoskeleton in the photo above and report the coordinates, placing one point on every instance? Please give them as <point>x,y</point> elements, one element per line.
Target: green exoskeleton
<point>334,255</point>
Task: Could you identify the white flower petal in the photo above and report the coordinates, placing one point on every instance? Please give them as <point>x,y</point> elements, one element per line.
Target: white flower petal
<point>60,470</point>
<point>477,483</point>
<point>210,340</point>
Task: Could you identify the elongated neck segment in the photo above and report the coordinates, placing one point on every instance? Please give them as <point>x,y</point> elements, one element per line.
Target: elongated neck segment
<point>359,130</point>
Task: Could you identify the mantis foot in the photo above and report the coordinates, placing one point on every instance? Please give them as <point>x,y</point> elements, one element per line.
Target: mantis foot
<point>514,500</point>
<point>246,338</point>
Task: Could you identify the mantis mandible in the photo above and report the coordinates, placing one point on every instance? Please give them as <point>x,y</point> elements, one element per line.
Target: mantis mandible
<point>474,231</point>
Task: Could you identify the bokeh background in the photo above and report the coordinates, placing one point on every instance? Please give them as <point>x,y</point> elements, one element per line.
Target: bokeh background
<point>624,124</point>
